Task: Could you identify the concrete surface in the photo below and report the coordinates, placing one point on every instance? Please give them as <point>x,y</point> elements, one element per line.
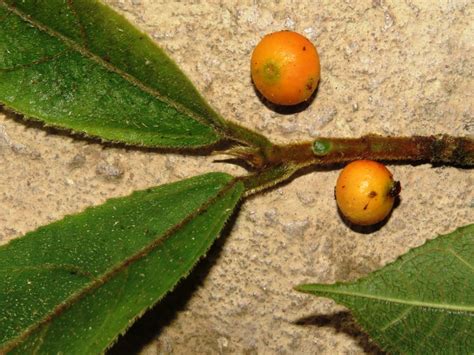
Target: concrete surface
<point>401,68</point>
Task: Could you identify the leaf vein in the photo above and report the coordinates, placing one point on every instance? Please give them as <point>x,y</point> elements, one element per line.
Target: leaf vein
<point>40,339</point>
<point>422,341</point>
<point>219,125</point>
<point>97,283</point>
<point>403,314</point>
<point>42,60</point>
<point>461,259</point>
<point>65,267</point>
<point>111,309</point>
<point>424,304</point>
<point>80,25</point>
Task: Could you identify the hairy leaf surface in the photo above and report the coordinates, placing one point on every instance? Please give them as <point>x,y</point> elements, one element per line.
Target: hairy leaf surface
<point>423,303</point>
<point>71,287</point>
<point>77,64</point>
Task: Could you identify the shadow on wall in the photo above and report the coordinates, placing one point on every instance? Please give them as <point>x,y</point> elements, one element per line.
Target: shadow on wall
<point>342,322</point>
<point>149,327</point>
<point>282,109</point>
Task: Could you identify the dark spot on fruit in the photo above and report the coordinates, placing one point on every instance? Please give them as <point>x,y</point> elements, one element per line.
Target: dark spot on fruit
<point>304,48</point>
<point>372,194</point>
<point>309,87</point>
<point>395,189</point>
<point>343,186</point>
<point>365,207</point>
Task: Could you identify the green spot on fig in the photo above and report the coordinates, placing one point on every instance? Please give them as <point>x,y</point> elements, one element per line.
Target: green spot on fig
<point>271,72</point>
<point>321,147</point>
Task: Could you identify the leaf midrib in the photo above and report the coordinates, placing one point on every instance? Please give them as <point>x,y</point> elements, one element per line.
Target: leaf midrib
<point>447,307</point>
<point>113,271</point>
<point>218,126</point>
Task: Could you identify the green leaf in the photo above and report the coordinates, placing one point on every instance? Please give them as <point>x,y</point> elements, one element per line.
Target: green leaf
<point>423,303</point>
<point>78,65</point>
<point>73,286</point>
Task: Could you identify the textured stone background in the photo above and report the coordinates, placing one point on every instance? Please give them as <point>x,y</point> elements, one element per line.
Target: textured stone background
<point>401,67</point>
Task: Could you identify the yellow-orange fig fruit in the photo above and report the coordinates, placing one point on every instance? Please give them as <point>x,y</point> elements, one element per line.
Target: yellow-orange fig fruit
<point>366,191</point>
<point>285,68</point>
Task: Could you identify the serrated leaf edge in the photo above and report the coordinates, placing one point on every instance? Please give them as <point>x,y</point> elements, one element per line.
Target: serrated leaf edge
<point>11,344</point>
<point>124,330</point>
<point>217,124</point>
<point>308,288</point>
<point>385,346</point>
<point>80,134</point>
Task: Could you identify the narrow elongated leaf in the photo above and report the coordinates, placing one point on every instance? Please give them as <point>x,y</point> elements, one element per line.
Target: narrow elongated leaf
<point>71,287</point>
<point>423,303</point>
<point>79,65</point>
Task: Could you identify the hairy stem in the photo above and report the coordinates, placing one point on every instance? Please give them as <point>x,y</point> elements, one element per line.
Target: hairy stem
<point>244,135</point>
<point>267,178</point>
<point>439,149</point>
